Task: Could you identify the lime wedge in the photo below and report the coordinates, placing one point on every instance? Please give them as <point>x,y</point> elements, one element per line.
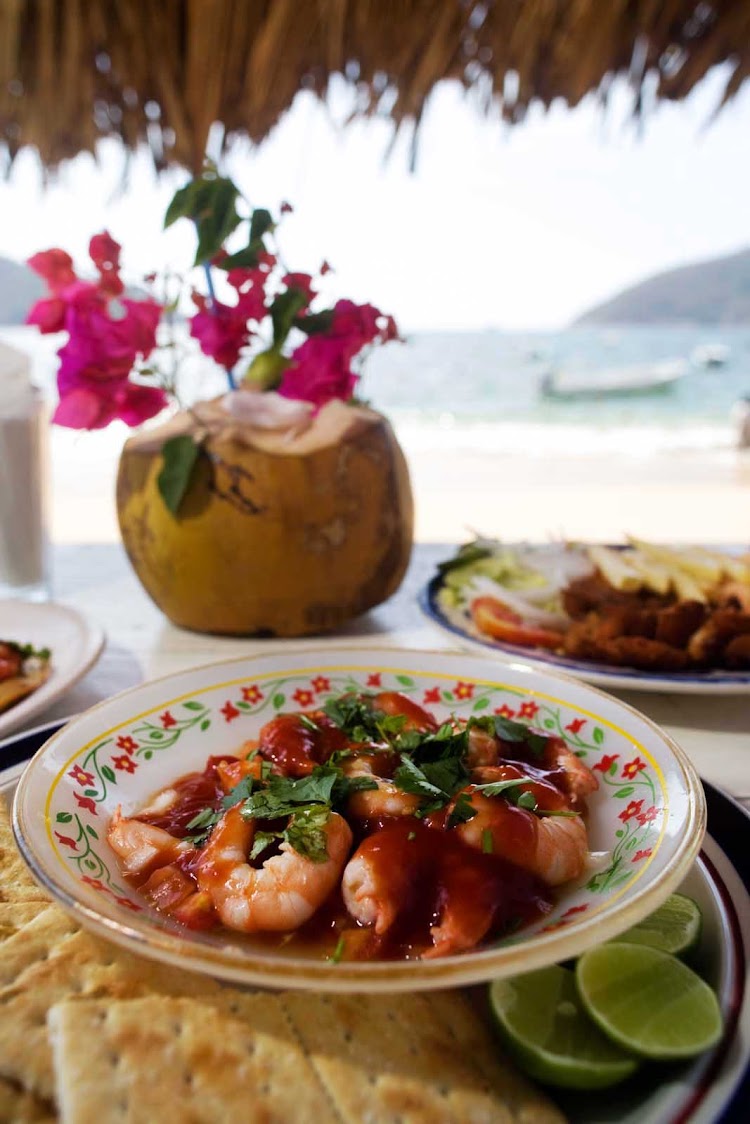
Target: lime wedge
<point>674,927</point>
<point>648,1001</point>
<point>542,1022</point>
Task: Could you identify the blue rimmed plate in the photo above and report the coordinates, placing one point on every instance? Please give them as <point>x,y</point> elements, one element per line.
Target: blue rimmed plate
<point>458,625</point>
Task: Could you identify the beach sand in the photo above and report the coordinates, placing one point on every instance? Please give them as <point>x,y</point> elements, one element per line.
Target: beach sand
<point>675,496</point>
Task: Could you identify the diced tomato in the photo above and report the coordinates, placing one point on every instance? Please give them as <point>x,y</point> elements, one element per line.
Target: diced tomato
<point>196,912</point>
<point>495,619</point>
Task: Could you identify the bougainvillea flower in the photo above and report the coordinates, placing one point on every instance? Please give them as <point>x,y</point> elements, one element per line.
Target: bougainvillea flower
<point>55,267</point>
<point>48,315</point>
<point>321,367</point>
<point>105,254</point>
<point>95,405</point>
<point>220,329</point>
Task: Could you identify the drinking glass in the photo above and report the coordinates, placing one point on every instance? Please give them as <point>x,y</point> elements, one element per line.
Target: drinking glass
<point>24,551</point>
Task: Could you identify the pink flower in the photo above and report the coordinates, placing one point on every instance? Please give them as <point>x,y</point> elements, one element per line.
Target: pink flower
<point>303,282</point>
<point>220,329</point>
<point>320,683</point>
<point>55,267</point>
<point>105,254</point>
<point>648,816</point>
<point>528,710</point>
<point>320,368</point>
<point>303,697</point>
<point>632,768</point>
<point>48,315</point>
<point>464,690</point>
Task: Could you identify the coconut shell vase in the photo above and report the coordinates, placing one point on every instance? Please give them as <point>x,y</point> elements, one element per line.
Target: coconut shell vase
<point>277,534</point>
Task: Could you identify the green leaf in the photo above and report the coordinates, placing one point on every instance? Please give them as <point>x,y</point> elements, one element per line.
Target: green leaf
<point>481,704</point>
<point>283,312</point>
<point>315,323</point>
<point>622,793</point>
<point>278,701</point>
<point>404,680</point>
<point>598,735</point>
<point>205,723</point>
<point>183,203</point>
<point>89,792</point>
<point>91,832</point>
<point>109,774</point>
<point>63,817</point>
<point>216,219</point>
<point>246,258</point>
<point>260,223</point>
<point>180,455</point>
<point>192,705</point>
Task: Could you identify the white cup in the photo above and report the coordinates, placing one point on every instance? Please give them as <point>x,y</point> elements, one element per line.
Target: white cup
<point>24,454</point>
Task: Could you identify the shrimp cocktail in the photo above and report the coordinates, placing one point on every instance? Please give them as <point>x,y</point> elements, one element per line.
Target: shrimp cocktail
<point>366,830</point>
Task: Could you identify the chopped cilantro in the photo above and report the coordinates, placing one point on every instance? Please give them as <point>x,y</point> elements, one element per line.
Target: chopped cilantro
<point>306,721</point>
<point>241,791</point>
<point>500,788</point>
<point>487,844</point>
<point>526,800</point>
<point>462,811</point>
<point>338,951</point>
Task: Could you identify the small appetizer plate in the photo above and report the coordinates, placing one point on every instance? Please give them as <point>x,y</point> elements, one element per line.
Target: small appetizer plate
<point>74,642</point>
<point>646,821</point>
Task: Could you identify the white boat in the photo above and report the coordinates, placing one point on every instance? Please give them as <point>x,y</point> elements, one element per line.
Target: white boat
<point>710,355</point>
<point>643,378</point>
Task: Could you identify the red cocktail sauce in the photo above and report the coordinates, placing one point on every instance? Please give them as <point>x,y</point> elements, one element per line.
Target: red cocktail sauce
<point>438,878</point>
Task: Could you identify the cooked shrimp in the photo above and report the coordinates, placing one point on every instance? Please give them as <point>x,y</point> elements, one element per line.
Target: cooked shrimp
<point>578,781</point>
<point>142,847</point>
<point>483,748</point>
<point>282,893</point>
<point>396,704</point>
<point>375,803</point>
<point>374,889</point>
<point>553,848</point>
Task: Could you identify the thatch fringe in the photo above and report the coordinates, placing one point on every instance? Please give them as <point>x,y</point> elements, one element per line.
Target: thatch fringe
<point>162,71</point>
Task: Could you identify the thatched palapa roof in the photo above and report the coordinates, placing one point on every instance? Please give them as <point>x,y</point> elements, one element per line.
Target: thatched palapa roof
<point>162,71</point>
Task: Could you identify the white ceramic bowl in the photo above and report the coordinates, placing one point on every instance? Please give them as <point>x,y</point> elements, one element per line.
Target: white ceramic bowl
<point>648,813</point>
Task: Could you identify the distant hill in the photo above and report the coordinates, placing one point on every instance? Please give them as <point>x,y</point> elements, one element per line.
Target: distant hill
<point>19,288</point>
<point>710,292</point>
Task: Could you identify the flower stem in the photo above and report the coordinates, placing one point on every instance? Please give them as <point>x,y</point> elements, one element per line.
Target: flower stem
<point>212,298</point>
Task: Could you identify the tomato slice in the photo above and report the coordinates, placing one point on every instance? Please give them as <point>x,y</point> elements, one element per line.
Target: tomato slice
<point>495,619</point>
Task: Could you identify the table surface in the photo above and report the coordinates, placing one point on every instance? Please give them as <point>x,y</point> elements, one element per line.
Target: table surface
<point>142,644</point>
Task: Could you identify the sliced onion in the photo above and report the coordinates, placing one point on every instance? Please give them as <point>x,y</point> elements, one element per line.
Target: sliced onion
<point>481,585</point>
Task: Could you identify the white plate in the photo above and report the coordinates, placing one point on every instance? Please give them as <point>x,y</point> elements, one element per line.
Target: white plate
<point>461,629</point>
<point>647,815</point>
<point>700,1091</point>
<point>75,643</point>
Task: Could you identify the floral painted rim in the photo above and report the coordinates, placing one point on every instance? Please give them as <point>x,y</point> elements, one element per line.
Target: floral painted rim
<point>146,736</point>
<point>598,674</point>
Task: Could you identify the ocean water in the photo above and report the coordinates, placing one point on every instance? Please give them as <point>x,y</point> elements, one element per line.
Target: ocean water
<point>479,391</point>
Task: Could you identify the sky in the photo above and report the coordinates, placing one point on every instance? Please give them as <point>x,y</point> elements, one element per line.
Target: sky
<point>516,229</point>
